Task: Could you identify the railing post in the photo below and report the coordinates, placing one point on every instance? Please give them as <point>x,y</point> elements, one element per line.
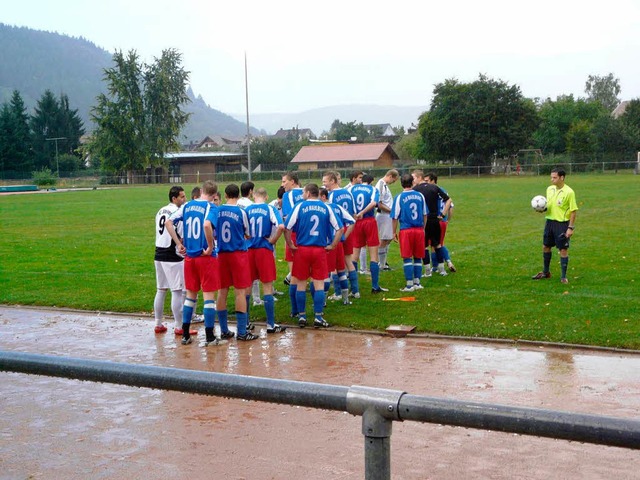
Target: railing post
<point>379,408</point>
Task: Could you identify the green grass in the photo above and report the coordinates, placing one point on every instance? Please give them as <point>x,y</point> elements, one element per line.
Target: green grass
<point>94,250</point>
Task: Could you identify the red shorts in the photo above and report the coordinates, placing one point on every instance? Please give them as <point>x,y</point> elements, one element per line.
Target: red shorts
<point>335,259</point>
<point>288,254</point>
<point>365,233</point>
<point>411,242</point>
<point>262,265</point>
<point>347,245</point>
<point>310,262</point>
<point>443,231</point>
<point>201,273</point>
<point>234,269</point>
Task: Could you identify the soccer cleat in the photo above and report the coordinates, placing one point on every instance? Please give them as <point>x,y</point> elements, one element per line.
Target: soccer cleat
<point>407,289</point>
<point>278,292</point>
<point>346,302</point>
<point>250,326</point>
<point>426,274</point>
<point>179,331</point>
<point>379,290</point>
<point>247,337</point>
<point>443,273</point>
<point>452,269</point>
<point>214,342</point>
<point>198,318</point>
<point>386,268</point>
<point>564,280</point>
<point>302,322</point>
<point>258,302</point>
<point>320,322</point>
<point>334,297</point>
<point>354,295</point>
<point>417,286</point>
<point>541,275</point>
<point>160,329</point>
<point>186,341</point>
<point>227,334</point>
<point>286,281</point>
<point>276,329</point>
<point>364,272</point>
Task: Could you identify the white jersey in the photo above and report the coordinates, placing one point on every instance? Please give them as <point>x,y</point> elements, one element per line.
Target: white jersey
<point>244,202</point>
<point>386,198</point>
<point>165,246</point>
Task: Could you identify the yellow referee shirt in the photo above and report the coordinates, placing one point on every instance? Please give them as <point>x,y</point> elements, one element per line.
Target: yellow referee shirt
<point>560,203</point>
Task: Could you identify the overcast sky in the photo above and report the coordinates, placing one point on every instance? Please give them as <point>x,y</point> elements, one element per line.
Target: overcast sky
<point>307,55</point>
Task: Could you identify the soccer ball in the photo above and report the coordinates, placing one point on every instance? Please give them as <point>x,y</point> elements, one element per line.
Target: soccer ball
<point>539,203</point>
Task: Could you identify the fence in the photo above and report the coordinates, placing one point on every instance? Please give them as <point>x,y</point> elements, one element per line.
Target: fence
<point>379,408</point>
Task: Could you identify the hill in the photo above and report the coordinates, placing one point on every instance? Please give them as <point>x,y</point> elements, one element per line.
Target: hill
<point>32,61</point>
<point>320,119</point>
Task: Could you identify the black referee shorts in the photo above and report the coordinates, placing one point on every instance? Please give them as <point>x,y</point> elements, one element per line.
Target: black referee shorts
<point>554,234</point>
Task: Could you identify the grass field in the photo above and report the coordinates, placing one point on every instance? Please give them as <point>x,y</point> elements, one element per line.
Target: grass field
<point>94,250</point>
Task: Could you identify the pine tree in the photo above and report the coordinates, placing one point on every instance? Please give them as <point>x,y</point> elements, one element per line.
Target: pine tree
<point>15,141</point>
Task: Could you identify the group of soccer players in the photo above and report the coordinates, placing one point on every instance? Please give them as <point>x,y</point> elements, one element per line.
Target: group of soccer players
<point>324,228</point>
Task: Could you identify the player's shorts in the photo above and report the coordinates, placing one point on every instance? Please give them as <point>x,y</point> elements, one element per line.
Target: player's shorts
<point>262,265</point>
<point>411,242</point>
<point>234,269</point>
<point>365,233</point>
<point>169,275</point>
<point>385,226</point>
<point>554,235</point>
<point>310,262</point>
<point>201,273</point>
<point>432,231</point>
<point>288,253</point>
<point>443,232</point>
<point>347,245</point>
<point>335,259</point>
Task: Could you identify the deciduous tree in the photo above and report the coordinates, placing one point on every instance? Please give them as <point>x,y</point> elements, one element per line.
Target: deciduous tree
<point>604,90</point>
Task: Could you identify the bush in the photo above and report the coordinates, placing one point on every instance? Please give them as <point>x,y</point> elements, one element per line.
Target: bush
<point>45,178</point>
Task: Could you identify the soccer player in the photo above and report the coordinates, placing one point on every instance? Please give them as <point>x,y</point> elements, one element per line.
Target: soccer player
<point>365,234</point>
<point>292,196</point>
<point>385,231</point>
<point>233,258</point>
<point>560,224</point>
<point>313,223</point>
<point>266,228</point>
<point>168,263</point>
<point>246,195</point>
<point>342,197</point>
<point>444,222</point>
<point>410,212</point>
<point>200,264</point>
<point>432,195</point>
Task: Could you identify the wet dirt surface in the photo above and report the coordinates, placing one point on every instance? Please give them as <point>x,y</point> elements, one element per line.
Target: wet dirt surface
<point>67,429</point>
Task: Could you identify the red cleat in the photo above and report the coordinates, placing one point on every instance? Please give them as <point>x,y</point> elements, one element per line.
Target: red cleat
<point>160,329</point>
<point>179,331</point>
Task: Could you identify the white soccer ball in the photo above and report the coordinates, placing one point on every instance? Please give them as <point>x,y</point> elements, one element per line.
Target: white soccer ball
<point>539,203</point>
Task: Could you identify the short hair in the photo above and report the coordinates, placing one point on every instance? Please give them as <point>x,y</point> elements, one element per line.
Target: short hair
<point>324,192</point>
<point>418,173</point>
<point>232,191</point>
<point>195,193</point>
<point>312,189</point>
<point>292,176</point>
<point>209,188</point>
<point>333,176</point>
<point>406,180</point>
<point>174,192</point>
<point>246,187</point>
<point>433,177</point>
<point>355,174</point>
<point>281,192</point>
<point>393,173</point>
<point>367,178</point>
<point>560,171</point>
<point>260,192</point>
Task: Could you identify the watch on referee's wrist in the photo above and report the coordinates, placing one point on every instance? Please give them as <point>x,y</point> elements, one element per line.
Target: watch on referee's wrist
<point>570,227</point>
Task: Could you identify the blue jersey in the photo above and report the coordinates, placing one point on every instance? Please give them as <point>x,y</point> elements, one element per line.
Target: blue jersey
<point>263,219</point>
<point>233,228</point>
<point>314,223</point>
<point>363,195</point>
<point>344,218</point>
<point>194,214</point>
<point>343,197</point>
<point>409,208</point>
<point>290,200</point>
<point>441,208</point>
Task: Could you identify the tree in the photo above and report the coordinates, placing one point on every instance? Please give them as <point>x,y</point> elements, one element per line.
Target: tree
<point>45,124</point>
<point>70,125</point>
<point>15,140</point>
<point>604,90</point>
<point>275,153</point>
<point>557,117</point>
<point>343,132</point>
<point>139,119</point>
<point>479,119</point>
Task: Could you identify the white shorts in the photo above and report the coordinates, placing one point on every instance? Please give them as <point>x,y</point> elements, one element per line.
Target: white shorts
<point>170,275</point>
<point>385,226</point>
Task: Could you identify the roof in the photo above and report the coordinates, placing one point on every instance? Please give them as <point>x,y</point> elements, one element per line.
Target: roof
<point>620,109</point>
<point>297,132</point>
<point>342,152</point>
<point>186,155</point>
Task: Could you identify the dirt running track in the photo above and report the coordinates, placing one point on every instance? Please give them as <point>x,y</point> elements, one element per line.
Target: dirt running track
<point>66,429</point>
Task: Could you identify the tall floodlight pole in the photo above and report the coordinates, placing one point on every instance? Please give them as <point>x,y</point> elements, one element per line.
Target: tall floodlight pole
<point>246,99</point>
<point>56,142</point>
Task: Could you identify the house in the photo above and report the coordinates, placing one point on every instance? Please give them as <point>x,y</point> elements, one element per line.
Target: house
<point>620,109</point>
<point>295,133</point>
<point>194,167</point>
<point>360,156</point>
<point>220,143</point>
<point>380,130</point>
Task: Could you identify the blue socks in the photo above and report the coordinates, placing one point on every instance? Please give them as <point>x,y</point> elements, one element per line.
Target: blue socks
<point>269,306</point>
<point>375,274</point>
<point>222,318</point>
<point>209,314</point>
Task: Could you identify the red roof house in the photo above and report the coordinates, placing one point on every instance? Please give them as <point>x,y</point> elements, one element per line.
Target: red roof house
<point>360,156</point>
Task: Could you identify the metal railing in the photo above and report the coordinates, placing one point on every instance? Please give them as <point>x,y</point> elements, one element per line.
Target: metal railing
<point>379,408</point>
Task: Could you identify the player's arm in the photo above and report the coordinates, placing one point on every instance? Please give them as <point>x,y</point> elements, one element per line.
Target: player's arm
<point>336,239</point>
<point>174,235</point>
<point>445,209</point>
<point>572,223</point>
<point>208,234</point>
<point>394,229</point>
